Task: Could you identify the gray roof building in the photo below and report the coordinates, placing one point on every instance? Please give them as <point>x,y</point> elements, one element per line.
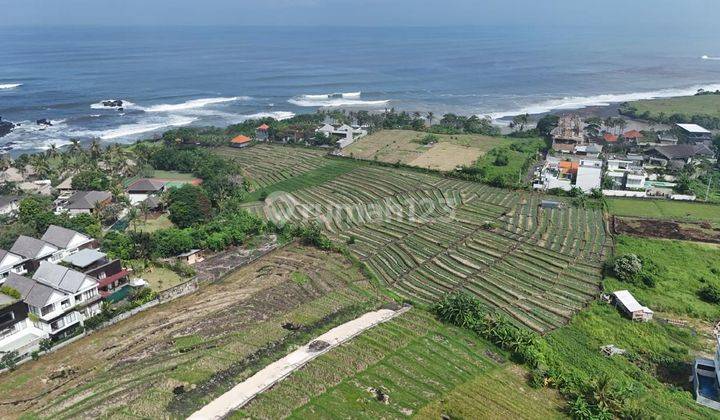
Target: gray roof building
<point>32,248</point>
<point>62,237</point>
<point>684,151</point>
<point>84,258</point>
<point>146,185</point>
<point>87,200</point>
<point>32,292</point>
<point>61,278</point>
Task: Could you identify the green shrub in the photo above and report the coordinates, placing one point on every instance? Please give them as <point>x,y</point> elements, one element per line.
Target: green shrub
<point>9,291</point>
<point>710,293</point>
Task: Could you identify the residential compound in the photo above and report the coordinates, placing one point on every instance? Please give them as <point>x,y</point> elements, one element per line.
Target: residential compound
<point>624,164</point>
<point>61,280</point>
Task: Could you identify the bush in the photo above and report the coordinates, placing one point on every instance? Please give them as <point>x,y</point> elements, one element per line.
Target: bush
<point>627,267</point>
<point>35,355</point>
<point>46,344</point>
<point>710,293</point>
<point>9,360</point>
<point>9,291</point>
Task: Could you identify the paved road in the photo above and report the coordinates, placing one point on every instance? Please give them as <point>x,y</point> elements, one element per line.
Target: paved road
<point>245,391</point>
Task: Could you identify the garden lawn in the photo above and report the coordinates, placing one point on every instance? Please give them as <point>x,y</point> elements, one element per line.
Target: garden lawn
<point>161,222</point>
<point>161,279</point>
<point>665,209</point>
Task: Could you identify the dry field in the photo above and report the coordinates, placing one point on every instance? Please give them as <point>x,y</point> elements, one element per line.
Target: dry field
<point>172,359</point>
<point>404,146</point>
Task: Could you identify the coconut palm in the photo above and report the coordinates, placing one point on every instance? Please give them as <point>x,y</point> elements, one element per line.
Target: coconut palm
<point>430,117</point>
<point>75,148</point>
<point>621,124</point>
<point>95,149</point>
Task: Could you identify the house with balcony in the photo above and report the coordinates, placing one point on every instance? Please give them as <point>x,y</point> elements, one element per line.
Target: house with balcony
<point>34,251</point>
<point>17,331</point>
<point>110,274</point>
<point>10,262</point>
<point>627,172</point>
<point>60,298</point>
<point>67,241</point>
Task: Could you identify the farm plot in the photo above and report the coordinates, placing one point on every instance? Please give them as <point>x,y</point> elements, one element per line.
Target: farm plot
<point>417,363</point>
<point>267,164</point>
<point>424,235</point>
<point>172,359</point>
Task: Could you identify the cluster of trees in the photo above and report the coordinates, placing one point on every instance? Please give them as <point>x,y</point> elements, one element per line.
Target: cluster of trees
<point>221,177</point>
<point>633,269</point>
<point>224,230</point>
<point>35,214</point>
<point>189,206</point>
<point>596,125</point>
<point>598,397</point>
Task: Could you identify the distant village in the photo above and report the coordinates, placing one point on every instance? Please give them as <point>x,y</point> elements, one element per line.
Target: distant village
<point>632,163</point>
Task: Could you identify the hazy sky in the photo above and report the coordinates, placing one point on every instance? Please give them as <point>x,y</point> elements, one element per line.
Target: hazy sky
<point>361,12</point>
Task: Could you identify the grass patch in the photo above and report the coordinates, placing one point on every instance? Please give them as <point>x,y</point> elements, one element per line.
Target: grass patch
<point>684,106</point>
<point>406,147</point>
<point>187,342</point>
<point>506,166</point>
<point>299,278</point>
<point>683,268</point>
<point>152,224</point>
<point>160,279</point>
<point>665,209</point>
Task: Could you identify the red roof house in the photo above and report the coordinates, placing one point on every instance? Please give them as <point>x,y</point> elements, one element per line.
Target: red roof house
<point>240,141</point>
<point>633,135</point>
<point>610,138</point>
<point>264,127</point>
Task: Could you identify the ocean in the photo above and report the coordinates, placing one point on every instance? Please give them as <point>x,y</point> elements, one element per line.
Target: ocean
<point>178,76</point>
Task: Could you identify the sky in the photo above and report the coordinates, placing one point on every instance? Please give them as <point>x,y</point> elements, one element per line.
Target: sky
<point>611,13</point>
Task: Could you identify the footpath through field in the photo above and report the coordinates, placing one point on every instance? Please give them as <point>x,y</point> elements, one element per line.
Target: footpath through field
<point>245,391</point>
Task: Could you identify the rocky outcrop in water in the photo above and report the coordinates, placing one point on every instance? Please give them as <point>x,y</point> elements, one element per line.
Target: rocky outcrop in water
<point>5,127</point>
<point>44,121</point>
<point>113,103</point>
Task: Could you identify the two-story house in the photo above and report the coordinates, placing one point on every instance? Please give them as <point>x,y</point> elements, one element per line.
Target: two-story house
<point>58,296</point>
<point>34,251</point>
<point>67,241</point>
<point>10,262</point>
<point>109,274</point>
<point>17,332</point>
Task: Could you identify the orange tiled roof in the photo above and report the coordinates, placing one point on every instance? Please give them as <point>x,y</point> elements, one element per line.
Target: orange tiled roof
<point>263,127</point>
<point>633,134</point>
<point>610,138</point>
<point>566,166</point>
<point>240,139</point>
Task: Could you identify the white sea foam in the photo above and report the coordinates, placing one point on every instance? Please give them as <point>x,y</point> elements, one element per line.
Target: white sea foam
<point>278,115</point>
<point>126,105</point>
<point>129,130</point>
<point>707,57</point>
<point>192,104</point>
<point>579,102</point>
<point>335,100</point>
<point>8,86</point>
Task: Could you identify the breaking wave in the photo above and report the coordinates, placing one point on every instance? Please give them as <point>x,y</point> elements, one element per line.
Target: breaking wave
<point>579,102</point>
<point>707,57</point>
<point>126,105</point>
<point>332,100</point>
<point>192,104</point>
<point>8,86</point>
<point>278,115</point>
<point>129,130</point>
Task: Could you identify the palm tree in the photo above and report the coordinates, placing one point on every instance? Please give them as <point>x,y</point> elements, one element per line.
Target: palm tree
<point>52,151</point>
<point>609,123</point>
<point>430,116</point>
<point>75,147</point>
<point>95,149</point>
<point>132,216</point>
<point>621,124</point>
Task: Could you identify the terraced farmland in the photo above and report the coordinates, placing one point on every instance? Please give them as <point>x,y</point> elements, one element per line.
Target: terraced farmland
<point>424,367</point>
<point>171,360</point>
<point>424,235</point>
<point>267,164</point>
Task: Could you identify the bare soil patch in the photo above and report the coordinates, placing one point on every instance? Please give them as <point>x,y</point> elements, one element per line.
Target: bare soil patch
<point>667,229</point>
